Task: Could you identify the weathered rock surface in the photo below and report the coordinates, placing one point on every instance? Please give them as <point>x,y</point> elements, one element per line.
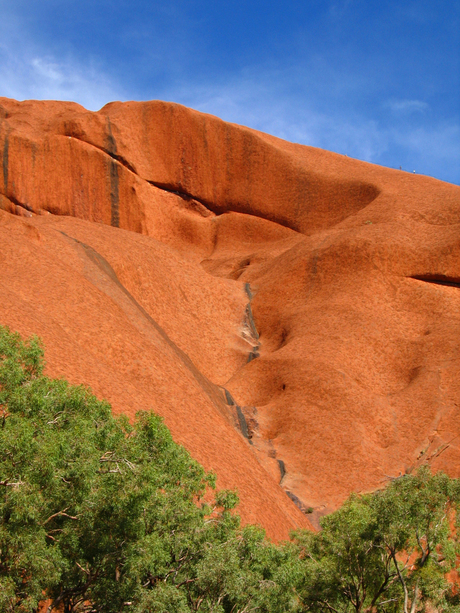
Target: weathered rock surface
<point>241,286</point>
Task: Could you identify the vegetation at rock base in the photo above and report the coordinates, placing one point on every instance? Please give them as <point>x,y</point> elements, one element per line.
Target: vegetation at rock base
<point>97,514</point>
<point>388,551</point>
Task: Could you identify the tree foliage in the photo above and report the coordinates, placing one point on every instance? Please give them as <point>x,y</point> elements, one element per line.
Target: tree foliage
<point>100,515</point>
<point>387,551</point>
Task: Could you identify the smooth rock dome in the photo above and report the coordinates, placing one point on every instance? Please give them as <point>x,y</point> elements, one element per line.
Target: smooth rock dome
<point>293,314</point>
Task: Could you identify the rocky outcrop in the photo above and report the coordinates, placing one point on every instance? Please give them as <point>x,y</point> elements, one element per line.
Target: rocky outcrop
<point>238,285</point>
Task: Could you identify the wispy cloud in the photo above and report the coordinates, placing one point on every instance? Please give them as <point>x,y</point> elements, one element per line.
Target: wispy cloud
<point>407,106</point>
<point>439,143</point>
<point>28,71</point>
<point>43,77</point>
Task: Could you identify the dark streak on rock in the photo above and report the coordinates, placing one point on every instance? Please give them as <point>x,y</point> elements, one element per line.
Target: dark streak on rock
<point>253,354</point>
<point>251,322</point>
<point>111,143</point>
<point>6,145</point>
<point>247,289</point>
<point>111,150</point>
<point>229,398</point>
<point>114,179</point>
<point>243,424</point>
<point>114,195</point>
<point>298,503</point>
<point>282,467</point>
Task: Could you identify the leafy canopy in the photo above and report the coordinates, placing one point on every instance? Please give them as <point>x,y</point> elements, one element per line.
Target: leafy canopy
<point>100,515</point>
<point>97,514</point>
<point>387,551</point>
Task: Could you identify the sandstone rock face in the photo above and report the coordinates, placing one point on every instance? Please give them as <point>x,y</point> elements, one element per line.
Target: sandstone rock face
<point>294,315</point>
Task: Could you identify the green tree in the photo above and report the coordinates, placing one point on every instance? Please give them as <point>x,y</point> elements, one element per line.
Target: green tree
<point>96,513</point>
<point>386,551</point>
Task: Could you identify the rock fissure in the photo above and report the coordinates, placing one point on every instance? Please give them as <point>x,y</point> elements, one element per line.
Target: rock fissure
<point>240,417</point>
<point>438,280</point>
<point>282,468</point>
<point>298,503</point>
<point>16,203</point>
<point>243,423</point>
<point>250,332</point>
<point>251,325</point>
<point>166,187</point>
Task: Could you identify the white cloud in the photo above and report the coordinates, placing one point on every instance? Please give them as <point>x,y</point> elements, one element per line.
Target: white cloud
<point>407,106</point>
<point>439,143</point>
<point>45,78</point>
<point>27,71</point>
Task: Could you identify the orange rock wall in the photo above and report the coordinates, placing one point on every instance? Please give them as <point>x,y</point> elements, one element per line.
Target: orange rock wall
<point>238,285</point>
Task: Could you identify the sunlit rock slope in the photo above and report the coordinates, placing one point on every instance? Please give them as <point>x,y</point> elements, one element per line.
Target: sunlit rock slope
<point>293,314</point>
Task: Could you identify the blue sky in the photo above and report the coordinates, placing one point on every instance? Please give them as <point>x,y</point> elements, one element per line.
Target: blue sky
<point>378,80</point>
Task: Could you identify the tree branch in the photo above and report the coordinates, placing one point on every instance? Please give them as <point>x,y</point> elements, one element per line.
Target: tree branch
<point>6,483</point>
<point>401,579</point>
<point>60,514</point>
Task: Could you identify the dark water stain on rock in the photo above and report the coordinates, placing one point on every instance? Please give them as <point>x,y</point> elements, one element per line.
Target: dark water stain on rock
<point>6,145</point>
<point>111,146</point>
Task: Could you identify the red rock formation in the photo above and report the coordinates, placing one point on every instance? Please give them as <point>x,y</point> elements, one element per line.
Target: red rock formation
<point>238,284</point>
